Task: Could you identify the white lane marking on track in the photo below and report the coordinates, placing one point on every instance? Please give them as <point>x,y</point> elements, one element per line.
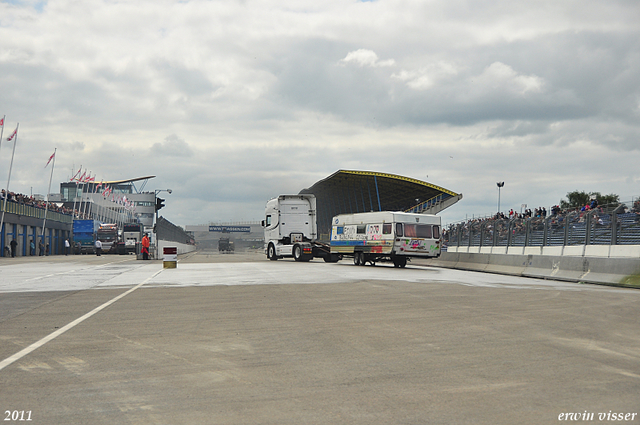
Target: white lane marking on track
<point>9,360</point>
<point>72,271</point>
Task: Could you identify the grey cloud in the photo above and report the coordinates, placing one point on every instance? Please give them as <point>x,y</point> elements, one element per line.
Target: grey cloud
<point>172,146</point>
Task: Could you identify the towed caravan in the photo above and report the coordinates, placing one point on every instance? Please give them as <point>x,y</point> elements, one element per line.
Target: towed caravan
<point>386,236</point>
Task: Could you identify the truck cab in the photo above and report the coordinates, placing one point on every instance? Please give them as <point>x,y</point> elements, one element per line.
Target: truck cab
<point>290,229</point>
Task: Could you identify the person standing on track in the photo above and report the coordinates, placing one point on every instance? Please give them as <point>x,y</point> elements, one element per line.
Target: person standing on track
<point>145,247</point>
<point>98,247</point>
<point>14,247</point>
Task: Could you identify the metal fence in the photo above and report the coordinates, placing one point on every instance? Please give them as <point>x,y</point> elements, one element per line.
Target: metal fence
<point>22,209</point>
<point>609,225</point>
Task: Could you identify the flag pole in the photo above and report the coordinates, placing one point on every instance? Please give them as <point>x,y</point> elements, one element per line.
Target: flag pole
<point>80,212</point>
<point>6,195</point>
<point>2,130</point>
<point>84,213</point>
<point>46,205</point>
<point>76,194</point>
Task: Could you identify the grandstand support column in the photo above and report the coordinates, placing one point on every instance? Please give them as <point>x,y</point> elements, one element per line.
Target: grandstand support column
<point>375,179</point>
<point>614,228</point>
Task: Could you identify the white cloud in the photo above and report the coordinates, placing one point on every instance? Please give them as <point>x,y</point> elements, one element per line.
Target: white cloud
<point>500,76</point>
<point>428,76</point>
<point>364,57</point>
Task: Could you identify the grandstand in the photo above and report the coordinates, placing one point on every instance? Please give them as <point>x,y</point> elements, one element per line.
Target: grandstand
<point>607,225</point>
<point>349,191</point>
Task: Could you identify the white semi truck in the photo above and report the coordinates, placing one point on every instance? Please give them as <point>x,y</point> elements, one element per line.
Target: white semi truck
<point>385,236</point>
<point>291,230</point>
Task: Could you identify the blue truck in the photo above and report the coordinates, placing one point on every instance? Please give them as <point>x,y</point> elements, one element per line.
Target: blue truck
<point>84,236</point>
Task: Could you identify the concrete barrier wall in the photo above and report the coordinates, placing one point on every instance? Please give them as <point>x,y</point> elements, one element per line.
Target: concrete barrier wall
<point>601,251</point>
<point>590,264</point>
<point>182,247</point>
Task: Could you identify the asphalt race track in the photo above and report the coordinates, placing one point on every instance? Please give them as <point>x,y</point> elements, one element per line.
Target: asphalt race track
<point>238,339</point>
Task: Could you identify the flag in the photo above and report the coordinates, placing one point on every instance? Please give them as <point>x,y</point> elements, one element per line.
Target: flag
<point>15,132</point>
<point>2,122</point>
<point>50,158</point>
<point>76,174</point>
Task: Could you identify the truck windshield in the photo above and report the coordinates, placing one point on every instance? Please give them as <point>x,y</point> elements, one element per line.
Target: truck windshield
<point>106,236</point>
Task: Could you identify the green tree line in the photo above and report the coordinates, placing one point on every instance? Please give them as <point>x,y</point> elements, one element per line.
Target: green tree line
<point>577,199</point>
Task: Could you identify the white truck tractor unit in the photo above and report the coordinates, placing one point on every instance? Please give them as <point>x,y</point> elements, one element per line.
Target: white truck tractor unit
<point>385,236</point>
<point>290,229</point>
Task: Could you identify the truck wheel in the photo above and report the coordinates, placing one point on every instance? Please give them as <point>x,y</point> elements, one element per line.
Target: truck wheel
<point>356,258</point>
<point>400,262</point>
<point>297,252</point>
<point>271,252</point>
<point>333,258</point>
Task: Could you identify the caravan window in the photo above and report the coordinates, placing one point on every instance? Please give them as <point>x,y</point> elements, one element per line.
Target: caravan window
<point>362,229</point>
<point>410,230</point>
<point>399,232</point>
<point>424,230</point>
<point>386,229</point>
<point>436,232</point>
<point>417,230</point>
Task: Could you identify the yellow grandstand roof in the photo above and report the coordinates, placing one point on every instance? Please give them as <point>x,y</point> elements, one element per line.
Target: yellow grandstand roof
<point>351,191</point>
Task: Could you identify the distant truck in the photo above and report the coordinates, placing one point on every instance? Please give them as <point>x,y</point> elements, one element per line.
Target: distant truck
<point>84,235</point>
<point>131,237</point>
<point>290,229</point>
<point>226,245</point>
<point>108,235</point>
<point>386,236</point>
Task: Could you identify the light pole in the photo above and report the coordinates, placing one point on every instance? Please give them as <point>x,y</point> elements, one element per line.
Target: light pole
<point>500,186</point>
<point>159,204</point>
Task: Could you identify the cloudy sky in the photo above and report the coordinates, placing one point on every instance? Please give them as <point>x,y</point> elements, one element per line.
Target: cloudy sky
<point>230,103</point>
